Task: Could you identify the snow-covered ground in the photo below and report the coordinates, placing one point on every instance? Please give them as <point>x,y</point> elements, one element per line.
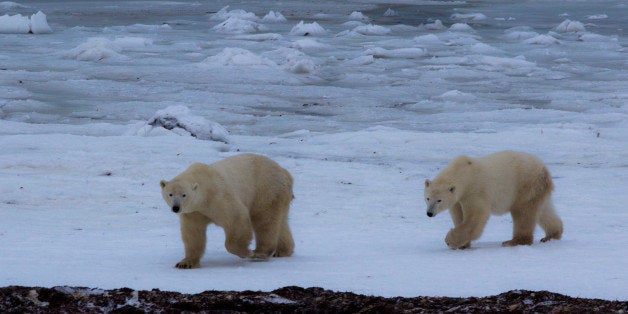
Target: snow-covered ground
<point>360,100</point>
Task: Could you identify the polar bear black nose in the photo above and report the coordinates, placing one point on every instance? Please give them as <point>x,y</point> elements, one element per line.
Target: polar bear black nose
<point>175,209</point>
<point>430,214</point>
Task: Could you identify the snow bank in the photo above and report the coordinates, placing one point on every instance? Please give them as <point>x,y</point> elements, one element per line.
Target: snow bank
<point>274,17</point>
<point>391,12</point>
<point>429,39</point>
<point>461,27</point>
<point>435,26</point>
<point>137,28</point>
<point>372,30</point>
<point>307,29</point>
<point>484,49</point>
<point>7,5</point>
<point>541,40</point>
<point>99,48</point>
<point>519,34</point>
<point>237,57</point>
<point>224,14</point>
<point>179,118</point>
<point>469,16</point>
<point>18,24</point>
<point>238,25</point>
<point>569,26</point>
<point>516,66</point>
<point>309,44</point>
<point>456,96</point>
<point>362,60</point>
<point>403,53</point>
<point>358,16</point>
<point>597,17</point>
<point>259,37</point>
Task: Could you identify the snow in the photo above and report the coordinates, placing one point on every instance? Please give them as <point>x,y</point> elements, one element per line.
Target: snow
<point>468,16</point>
<point>569,26</point>
<point>359,16</point>
<point>238,26</point>
<point>274,17</point>
<point>18,24</point>
<point>307,29</point>
<point>100,48</point>
<point>180,117</point>
<point>371,30</point>
<point>359,119</point>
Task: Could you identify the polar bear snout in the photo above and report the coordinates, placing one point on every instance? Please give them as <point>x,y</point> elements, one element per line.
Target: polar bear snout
<point>430,214</point>
<point>176,208</point>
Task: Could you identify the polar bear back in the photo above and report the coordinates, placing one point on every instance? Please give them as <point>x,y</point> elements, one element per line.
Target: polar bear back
<point>503,177</point>
<point>252,177</point>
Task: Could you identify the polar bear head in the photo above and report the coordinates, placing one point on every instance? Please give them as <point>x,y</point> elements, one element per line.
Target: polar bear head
<point>179,194</point>
<point>439,195</point>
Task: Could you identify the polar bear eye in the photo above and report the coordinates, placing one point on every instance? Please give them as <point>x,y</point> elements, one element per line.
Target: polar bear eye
<point>170,194</point>
<point>183,195</point>
<point>439,201</point>
<point>427,199</point>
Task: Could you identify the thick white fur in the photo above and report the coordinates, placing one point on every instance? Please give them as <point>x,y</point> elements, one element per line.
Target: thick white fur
<point>506,182</point>
<point>245,194</point>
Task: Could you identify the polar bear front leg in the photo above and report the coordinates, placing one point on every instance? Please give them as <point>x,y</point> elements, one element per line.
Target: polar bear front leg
<point>456,217</point>
<point>193,234</point>
<point>475,215</point>
<point>238,235</point>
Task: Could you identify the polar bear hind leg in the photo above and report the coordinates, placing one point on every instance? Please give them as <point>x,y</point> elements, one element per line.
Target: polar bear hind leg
<point>285,247</point>
<point>550,222</point>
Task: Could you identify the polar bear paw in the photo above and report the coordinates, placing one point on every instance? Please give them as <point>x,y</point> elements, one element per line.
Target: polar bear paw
<point>259,257</point>
<point>455,240</point>
<point>187,264</point>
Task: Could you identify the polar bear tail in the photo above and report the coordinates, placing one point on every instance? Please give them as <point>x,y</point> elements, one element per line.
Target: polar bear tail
<point>550,222</point>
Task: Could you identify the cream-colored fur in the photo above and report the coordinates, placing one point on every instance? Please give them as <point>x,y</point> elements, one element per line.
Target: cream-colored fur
<point>245,194</point>
<point>474,188</point>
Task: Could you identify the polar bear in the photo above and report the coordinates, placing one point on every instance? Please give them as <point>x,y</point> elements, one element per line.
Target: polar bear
<point>474,188</point>
<point>245,194</point>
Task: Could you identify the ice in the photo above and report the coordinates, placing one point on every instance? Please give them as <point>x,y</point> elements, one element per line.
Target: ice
<point>100,48</point>
<point>237,57</point>
<point>180,117</point>
<point>406,53</point>
<point>237,25</point>
<point>468,16</point>
<point>461,27</point>
<point>542,40</point>
<point>307,29</point>
<point>359,16</point>
<point>16,24</point>
<point>360,111</point>
<point>434,26</point>
<point>274,17</point>
<point>39,24</point>
<point>391,12</point>
<point>371,30</point>
<point>224,14</point>
<point>8,5</point>
<point>569,26</point>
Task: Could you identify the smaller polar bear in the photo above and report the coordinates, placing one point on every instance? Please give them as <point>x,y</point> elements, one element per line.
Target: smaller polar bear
<point>474,188</point>
<point>245,194</point>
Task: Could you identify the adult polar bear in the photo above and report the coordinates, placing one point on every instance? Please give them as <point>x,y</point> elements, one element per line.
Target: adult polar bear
<point>243,194</point>
<point>474,188</point>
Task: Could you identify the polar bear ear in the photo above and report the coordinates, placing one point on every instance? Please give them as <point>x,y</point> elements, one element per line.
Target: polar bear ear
<point>163,183</point>
<point>427,182</point>
<point>452,189</point>
<point>194,186</point>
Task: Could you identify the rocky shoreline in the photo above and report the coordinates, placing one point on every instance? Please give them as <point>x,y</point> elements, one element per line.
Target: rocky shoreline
<point>64,299</point>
